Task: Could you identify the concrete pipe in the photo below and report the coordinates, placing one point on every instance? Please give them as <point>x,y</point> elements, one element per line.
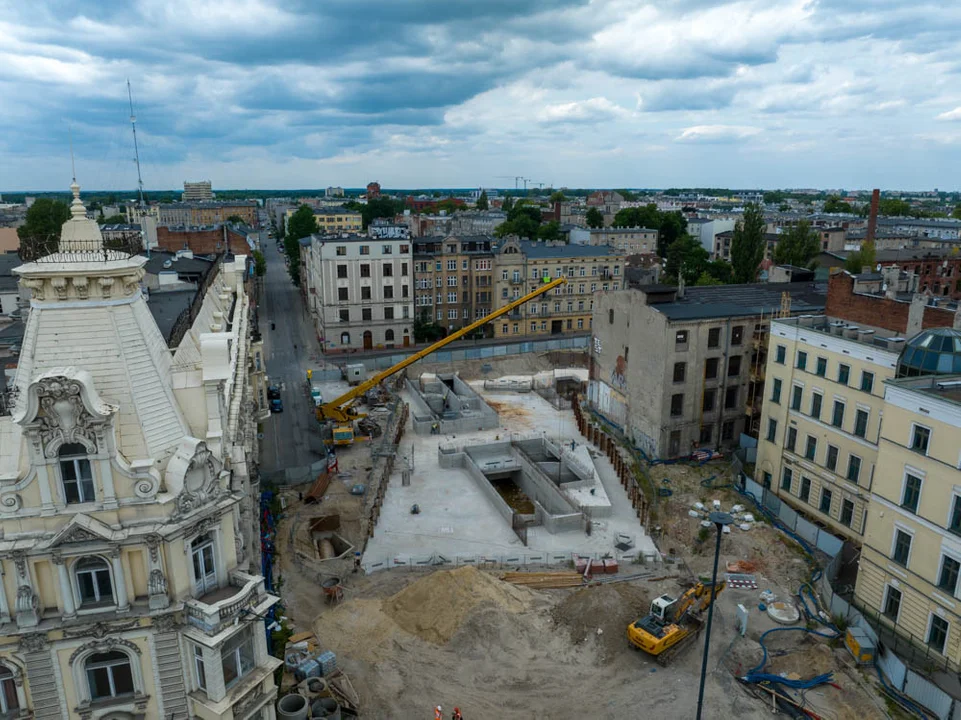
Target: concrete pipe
<point>325,708</point>
<point>292,707</point>
<point>316,687</point>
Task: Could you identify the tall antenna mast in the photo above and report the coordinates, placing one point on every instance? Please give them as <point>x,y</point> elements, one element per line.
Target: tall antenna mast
<point>136,150</point>
<point>73,165</point>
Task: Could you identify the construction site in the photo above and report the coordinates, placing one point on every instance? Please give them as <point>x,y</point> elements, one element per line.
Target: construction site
<point>483,541</point>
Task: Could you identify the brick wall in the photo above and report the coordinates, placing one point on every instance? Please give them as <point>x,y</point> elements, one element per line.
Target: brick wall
<point>201,242</point>
<point>880,312</point>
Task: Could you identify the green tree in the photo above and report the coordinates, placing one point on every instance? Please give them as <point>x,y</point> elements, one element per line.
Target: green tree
<point>956,213</point>
<point>482,203</point>
<point>860,259</point>
<point>112,220</point>
<point>673,225</point>
<point>774,197</point>
<point>557,196</point>
<point>627,195</point>
<point>425,329</point>
<point>235,219</point>
<point>549,231</point>
<point>834,204</point>
<point>783,207</point>
<point>40,232</point>
<point>895,207</point>
<point>508,203</point>
<point>260,263</point>
<point>594,218</point>
<point>300,225</point>
<point>647,216</point>
<point>720,270</point>
<point>705,278</point>
<point>747,245</point>
<point>798,246</point>
<point>686,258</point>
<point>523,220</point>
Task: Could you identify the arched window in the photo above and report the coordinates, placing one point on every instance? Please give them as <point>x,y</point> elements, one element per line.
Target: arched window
<point>9,701</point>
<point>345,338</point>
<point>389,335</point>
<point>75,474</point>
<point>202,550</point>
<point>93,582</point>
<point>109,675</point>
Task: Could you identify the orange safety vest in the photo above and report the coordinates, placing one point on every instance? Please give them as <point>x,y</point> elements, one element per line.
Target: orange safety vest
<point>437,714</point>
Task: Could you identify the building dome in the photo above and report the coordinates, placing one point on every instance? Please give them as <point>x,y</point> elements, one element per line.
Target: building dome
<point>932,352</point>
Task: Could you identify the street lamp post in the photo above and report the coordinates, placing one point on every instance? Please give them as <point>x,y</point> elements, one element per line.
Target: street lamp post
<point>720,519</point>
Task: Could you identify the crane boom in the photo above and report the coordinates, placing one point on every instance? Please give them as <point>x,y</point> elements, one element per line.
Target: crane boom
<point>338,409</point>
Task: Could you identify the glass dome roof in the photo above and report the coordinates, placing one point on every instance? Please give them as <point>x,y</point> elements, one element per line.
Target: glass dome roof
<point>932,352</point>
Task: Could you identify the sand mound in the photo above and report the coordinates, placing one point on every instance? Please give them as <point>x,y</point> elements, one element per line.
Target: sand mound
<point>434,607</point>
<point>608,607</point>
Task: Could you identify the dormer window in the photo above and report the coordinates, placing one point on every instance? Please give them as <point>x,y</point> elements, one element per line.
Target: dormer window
<point>75,474</point>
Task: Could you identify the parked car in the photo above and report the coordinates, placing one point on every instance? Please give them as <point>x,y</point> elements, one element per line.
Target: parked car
<point>276,405</point>
<point>273,392</point>
<point>315,395</point>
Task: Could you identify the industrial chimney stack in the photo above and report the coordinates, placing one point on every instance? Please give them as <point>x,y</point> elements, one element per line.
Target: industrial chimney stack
<point>873,217</point>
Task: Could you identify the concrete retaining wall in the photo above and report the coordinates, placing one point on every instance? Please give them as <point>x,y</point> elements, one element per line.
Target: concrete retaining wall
<point>475,414</point>
<point>538,488</point>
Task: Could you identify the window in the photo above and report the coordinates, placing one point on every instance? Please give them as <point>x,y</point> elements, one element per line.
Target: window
<point>867,381</point>
<point>811,447</point>
<point>920,436</point>
<point>75,474</point>
<point>708,403</point>
<point>861,422</point>
<point>109,675</point>
<point>805,492</point>
<point>734,366</point>
<point>93,582</point>
<point>344,315</point>
<point>911,493</point>
<point>200,670</point>
<point>831,460</point>
<point>464,264</point>
<point>707,433</point>
<point>452,314</point>
<point>847,512</point>
<point>766,480</point>
<point>844,372</point>
<point>341,250</point>
<point>386,249</point>
<point>730,398</point>
<point>937,634</point>
<point>837,415</point>
<point>341,271</point>
<point>737,335</point>
<point>9,700</point>
<point>365,270</point>
<point>816,405</point>
<point>710,369</point>
<point>342,294</point>
<point>948,578</point>
<point>780,354</point>
<point>403,269</point>
<point>802,360</point>
<point>365,293</point>
<point>787,477</point>
<point>237,656</point>
<point>825,504</point>
<point>388,292</point>
<point>451,281</point>
<point>366,314</point>
<point>680,338</point>
<point>451,298</point>
<point>822,366</point>
<point>205,570</point>
<point>714,337</point>
<point>677,404</point>
<point>580,323</point>
<point>854,468</point>
<point>404,249</point>
<point>365,249</point>
<point>796,392</point>
<point>776,392</point>
<point>771,430</point>
<point>388,269</point>
<point>791,441</point>
<point>388,313</point>
<point>892,603</point>
<point>678,370</point>
<point>954,524</point>
<point>451,265</point>
<point>727,431</point>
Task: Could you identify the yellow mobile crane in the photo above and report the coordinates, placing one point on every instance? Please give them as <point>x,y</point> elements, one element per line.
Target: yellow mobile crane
<point>340,412</point>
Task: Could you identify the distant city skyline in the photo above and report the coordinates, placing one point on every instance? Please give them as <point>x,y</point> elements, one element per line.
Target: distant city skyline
<point>425,93</point>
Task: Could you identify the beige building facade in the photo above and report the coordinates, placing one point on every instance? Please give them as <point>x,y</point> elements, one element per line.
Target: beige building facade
<point>127,510</point>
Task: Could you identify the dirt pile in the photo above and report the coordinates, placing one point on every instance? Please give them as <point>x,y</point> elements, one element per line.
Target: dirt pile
<point>610,608</point>
<point>434,607</point>
<point>809,659</point>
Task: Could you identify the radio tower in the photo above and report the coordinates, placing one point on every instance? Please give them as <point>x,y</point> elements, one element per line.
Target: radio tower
<point>136,156</point>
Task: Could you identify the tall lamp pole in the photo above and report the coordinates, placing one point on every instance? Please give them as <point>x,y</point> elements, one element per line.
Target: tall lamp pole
<point>720,519</point>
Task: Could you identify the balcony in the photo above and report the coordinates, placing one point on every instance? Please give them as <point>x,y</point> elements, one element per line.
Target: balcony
<point>220,607</point>
<point>516,281</point>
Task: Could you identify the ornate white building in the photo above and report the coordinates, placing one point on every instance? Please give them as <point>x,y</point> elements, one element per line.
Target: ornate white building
<point>128,521</point>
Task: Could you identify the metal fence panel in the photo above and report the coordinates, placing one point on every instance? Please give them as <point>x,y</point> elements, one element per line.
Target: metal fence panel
<point>829,544</point>
<point>893,668</point>
<point>807,530</point>
<point>472,353</point>
<point>928,694</point>
<point>500,350</point>
<point>752,487</point>
<point>442,356</point>
<point>772,502</point>
<point>788,515</point>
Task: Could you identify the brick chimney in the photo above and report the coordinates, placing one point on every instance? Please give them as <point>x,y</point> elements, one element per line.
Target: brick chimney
<point>873,217</point>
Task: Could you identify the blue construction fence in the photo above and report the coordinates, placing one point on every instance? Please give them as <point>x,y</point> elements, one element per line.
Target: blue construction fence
<point>268,534</point>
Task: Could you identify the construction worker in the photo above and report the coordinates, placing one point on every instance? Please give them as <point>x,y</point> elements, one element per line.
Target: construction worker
<point>438,713</point>
<point>456,715</point>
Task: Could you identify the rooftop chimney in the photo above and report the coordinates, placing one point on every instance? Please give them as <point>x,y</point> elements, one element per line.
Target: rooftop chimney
<point>873,217</point>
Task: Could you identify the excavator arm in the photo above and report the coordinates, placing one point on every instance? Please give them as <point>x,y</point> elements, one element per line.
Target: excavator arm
<point>339,410</point>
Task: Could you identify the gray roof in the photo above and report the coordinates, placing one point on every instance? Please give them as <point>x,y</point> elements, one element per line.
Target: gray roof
<point>334,211</point>
<point>921,222</point>
<point>8,281</point>
<point>196,264</point>
<point>167,306</point>
<point>540,250</point>
<point>720,301</point>
<point>11,334</point>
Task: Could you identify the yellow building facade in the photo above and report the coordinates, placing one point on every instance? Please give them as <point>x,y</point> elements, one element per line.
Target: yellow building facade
<point>821,417</point>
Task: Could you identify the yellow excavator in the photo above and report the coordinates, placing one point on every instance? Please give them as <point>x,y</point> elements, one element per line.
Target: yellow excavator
<point>673,623</point>
<point>340,411</point>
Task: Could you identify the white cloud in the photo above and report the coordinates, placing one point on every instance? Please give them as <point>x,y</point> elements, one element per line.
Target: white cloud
<point>717,133</point>
<point>591,110</point>
<point>950,115</point>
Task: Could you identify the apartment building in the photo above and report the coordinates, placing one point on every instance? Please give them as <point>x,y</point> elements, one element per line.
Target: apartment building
<point>199,214</point>
<point>130,583</point>
<point>911,555</point>
<point>337,220</point>
<point>197,191</point>
<point>520,266</point>
<point>683,368</point>
<point>453,279</point>
<point>706,231</point>
<point>476,222</point>
<point>359,291</point>
<point>633,241</point>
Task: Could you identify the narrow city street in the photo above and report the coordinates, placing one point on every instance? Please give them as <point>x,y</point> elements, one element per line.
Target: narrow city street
<point>290,347</point>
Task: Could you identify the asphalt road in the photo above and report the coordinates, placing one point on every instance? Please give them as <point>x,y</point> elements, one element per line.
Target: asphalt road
<point>290,437</point>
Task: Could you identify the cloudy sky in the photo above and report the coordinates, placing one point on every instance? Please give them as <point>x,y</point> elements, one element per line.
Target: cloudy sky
<point>609,93</point>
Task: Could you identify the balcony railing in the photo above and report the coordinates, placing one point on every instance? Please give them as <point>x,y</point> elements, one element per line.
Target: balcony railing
<point>216,609</point>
